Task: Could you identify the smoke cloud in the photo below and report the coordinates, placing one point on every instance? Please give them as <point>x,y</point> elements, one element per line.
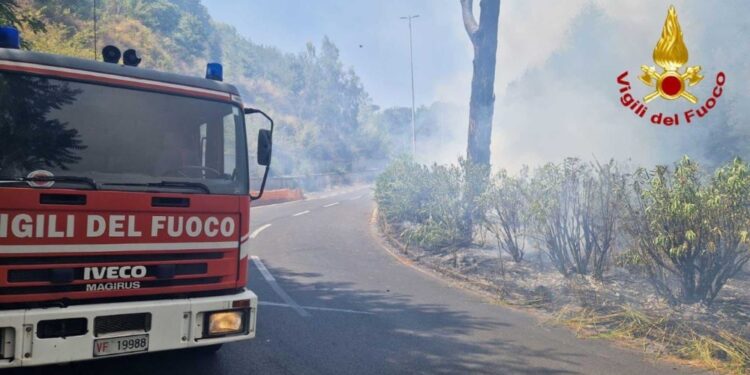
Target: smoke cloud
<point>556,87</point>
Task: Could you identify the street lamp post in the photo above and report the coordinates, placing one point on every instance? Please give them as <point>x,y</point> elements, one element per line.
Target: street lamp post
<point>413,113</point>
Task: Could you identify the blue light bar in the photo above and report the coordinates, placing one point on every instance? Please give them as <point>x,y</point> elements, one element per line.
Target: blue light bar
<point>214,71</point>
<point>9,37</point>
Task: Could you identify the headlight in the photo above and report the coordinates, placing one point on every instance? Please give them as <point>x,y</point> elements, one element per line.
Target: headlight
<point>223,323</point>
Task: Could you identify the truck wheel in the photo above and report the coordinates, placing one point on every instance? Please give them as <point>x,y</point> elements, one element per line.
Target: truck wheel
<point>208,350</point>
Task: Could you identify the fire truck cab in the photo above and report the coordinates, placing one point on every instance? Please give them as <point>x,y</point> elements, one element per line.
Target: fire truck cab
<point>124,209</point>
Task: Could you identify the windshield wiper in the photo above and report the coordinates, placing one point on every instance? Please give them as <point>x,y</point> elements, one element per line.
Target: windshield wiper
<point>72,179</point>
<point>167,184</point>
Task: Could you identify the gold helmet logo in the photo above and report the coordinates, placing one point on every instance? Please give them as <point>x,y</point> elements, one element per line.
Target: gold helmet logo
<point>671,54</point>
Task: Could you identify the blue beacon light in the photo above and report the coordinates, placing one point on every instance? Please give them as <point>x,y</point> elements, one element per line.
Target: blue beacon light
<point>214,71</point>
<point>9,37</point>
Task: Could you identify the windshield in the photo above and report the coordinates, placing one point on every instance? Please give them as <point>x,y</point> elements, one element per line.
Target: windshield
<point>121,138</point>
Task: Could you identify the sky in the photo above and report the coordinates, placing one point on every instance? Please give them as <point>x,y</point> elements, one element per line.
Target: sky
<point>556,90</point>
<point>382,61</point>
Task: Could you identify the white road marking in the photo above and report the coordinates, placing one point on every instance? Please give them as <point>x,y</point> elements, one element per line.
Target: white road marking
<point>357,197</point>
<point>305,212</point>
<point>257,231</point>
<point>276,288</point>
<point>317,308</point>
<point>331,204</point>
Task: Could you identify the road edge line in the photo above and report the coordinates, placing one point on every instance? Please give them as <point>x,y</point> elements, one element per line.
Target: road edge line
<point>277,288</point>
<point>257,231</point>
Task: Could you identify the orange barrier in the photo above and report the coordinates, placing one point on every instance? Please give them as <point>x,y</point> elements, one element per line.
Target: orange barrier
<point>279,196</point>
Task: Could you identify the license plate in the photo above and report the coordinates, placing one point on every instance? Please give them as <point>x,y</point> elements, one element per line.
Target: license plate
<point>120,345</point>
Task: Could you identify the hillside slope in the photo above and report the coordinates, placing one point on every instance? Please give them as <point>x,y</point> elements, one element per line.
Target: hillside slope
<point>326,120</point>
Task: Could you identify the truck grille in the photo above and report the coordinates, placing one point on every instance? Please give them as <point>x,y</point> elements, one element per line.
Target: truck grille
<point>47,329</point>
<point>161,271</point>
<point>50,278</point>
<point>121,323</point>
<point>109,258</point>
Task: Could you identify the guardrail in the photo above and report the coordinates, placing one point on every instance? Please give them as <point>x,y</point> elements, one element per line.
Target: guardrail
<point>281,189</point>
<point>280,196</point>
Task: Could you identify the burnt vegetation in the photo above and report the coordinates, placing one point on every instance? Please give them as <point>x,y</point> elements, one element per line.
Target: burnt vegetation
<point>608,234</point>
<point>574,214</point>
<point>686,231</point>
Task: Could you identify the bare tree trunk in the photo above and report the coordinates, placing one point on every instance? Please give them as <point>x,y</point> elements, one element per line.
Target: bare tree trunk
<point>483,36</point>
<point>482,106</point>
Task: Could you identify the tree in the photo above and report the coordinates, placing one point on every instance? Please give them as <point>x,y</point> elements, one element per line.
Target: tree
<point>10,14</point>
<point>483,36</point>
<point>159,15</point>
<point>8,9</point>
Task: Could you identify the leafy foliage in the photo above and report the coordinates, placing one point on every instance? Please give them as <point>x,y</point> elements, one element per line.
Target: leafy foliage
<point>428,203</point>
<point>691,228</point>
<point>10,14</point>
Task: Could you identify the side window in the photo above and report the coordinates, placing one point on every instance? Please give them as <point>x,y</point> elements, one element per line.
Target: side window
<point>230,143</point>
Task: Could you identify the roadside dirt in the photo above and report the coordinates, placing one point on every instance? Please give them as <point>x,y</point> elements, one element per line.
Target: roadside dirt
<point>535,285</point>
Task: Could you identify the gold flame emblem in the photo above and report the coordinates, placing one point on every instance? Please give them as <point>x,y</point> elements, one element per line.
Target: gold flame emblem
<point>671,54</point>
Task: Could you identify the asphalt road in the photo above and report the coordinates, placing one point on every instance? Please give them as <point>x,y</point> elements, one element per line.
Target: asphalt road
<point>333,301</point>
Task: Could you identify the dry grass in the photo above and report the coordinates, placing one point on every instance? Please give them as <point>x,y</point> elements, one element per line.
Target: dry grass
<point>715,349</point>
<point>727,352</point>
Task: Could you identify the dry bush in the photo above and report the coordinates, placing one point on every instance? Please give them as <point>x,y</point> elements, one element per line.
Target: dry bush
<point>576,207</point>
<point>506,212</point>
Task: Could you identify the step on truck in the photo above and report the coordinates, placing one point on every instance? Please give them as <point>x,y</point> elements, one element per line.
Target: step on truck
<point>124,208</point>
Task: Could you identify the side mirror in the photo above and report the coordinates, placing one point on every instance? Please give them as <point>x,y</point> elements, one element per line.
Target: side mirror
<point>265,144</point>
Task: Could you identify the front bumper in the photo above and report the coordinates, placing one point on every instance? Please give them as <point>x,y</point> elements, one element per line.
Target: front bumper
<point>174,324</point>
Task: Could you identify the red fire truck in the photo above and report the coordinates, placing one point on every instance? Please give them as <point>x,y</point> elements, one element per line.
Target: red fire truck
<point>124,208</point>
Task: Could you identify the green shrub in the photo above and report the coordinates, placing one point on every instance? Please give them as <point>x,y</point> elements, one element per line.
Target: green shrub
<point>692,231</point>
<point>402,192</point>
<point>428,205</point>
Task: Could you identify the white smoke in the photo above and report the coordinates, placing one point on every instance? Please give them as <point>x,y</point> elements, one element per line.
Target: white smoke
<point>557,65</point>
